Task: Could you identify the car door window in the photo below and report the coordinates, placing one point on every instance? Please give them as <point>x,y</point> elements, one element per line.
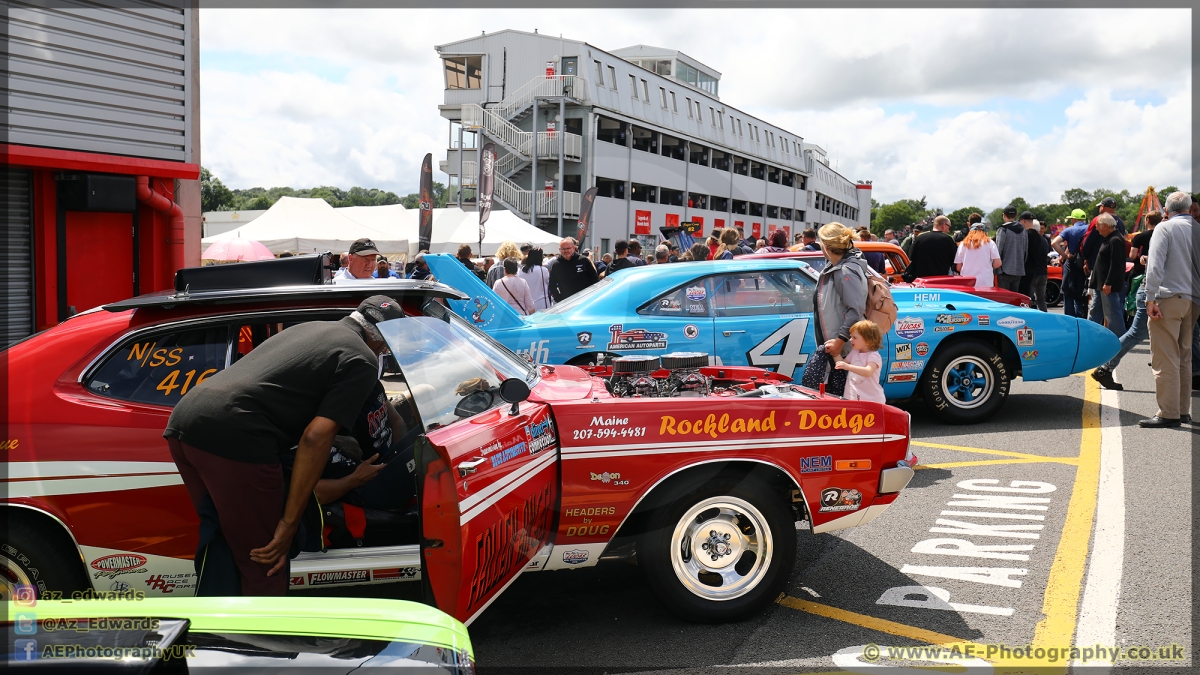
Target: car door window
<point>690,300</point>
<point>161,368</point>
<point>763,293</point>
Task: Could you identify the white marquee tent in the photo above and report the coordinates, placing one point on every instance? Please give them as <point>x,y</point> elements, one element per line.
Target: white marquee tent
<point>312,226</point>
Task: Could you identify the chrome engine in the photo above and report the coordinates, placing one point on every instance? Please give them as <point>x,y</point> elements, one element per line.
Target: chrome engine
<point>633,376</point>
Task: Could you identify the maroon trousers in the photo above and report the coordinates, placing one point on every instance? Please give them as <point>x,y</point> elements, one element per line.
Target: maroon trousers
<point>249,501</point>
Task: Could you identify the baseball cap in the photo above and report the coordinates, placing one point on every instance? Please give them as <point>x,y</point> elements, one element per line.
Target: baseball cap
<point>1108,202</point>
<point>919,227</point>
<point>1026,215</point>
<point>1010,210</point>
<point>363,246</point>
<point>1079,214</point>
<point>379,308</point>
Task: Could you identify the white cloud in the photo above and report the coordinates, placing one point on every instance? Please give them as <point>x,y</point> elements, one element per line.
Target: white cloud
<point>338,97</point>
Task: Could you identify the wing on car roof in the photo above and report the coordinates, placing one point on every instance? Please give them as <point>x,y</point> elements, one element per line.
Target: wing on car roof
<point>398,289</point>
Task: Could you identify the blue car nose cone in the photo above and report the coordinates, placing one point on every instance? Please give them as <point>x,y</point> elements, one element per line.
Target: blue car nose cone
<point>1097,345</point>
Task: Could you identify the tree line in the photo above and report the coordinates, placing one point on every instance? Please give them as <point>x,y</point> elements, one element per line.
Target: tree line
<point>904,212</point>
<point>215,196</point>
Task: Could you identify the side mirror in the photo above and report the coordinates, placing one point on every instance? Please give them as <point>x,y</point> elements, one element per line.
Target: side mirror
<point>514,391</point>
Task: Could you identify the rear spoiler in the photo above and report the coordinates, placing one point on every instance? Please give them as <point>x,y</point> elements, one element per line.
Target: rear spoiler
<point>484,308</point>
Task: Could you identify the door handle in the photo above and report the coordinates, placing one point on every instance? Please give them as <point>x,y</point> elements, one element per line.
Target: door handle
<point>727,333</point>
<point>471,466</point>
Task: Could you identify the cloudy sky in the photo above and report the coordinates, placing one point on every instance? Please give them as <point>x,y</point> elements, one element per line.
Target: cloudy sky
<point>962,106</point>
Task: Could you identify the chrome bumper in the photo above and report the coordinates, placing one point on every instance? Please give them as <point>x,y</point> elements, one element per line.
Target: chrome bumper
<point>895,479</point>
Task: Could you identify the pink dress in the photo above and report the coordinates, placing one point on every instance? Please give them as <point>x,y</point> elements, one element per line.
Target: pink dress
<point>859,388</point>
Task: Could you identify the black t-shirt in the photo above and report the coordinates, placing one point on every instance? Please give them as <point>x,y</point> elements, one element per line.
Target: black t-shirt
<point>1035,256</point>
<point>932,255</point>
<point>371,430</point>
<point>1141,241</point>
<point>259,407</point>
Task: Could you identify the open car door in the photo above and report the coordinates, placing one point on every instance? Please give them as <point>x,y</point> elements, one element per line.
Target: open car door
<point>488,469</point>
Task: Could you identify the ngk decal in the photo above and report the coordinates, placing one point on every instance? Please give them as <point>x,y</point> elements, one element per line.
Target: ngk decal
<point>111,566</point>
<point>338,577</point>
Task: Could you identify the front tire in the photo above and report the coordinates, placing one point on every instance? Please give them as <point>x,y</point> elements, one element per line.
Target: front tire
<point>31,556</point>
<point>965,382</point>
<point>722,552</point>
<point>1054,296</point>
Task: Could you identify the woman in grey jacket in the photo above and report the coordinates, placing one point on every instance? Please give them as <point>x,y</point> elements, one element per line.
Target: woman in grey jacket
<point>840,302</point>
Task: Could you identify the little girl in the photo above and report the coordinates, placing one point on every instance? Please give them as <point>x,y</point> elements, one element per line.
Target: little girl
<point>864,363</point>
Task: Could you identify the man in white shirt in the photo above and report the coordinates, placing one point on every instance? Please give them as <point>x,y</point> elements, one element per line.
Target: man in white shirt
<point>360,261</point>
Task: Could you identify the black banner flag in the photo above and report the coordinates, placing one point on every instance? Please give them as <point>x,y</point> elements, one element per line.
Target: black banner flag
<point>425,232</point>
<point>486,183</point>
<point>585,213</point>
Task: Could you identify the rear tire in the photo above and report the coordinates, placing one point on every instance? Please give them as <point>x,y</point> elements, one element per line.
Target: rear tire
<point>965,382</point>
<point>32,556</point>
<point>1054,296</point>
<point>722,552</point>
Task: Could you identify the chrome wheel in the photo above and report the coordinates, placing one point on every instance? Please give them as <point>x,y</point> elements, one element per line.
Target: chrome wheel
<point>721,548</point>
<point>11,576</point>
<point>968,382</point>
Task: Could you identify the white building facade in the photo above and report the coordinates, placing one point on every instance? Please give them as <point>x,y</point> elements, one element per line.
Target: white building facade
<point>644,125</point>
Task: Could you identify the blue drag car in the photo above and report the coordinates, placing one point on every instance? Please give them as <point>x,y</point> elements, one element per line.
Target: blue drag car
<point>955,350</point>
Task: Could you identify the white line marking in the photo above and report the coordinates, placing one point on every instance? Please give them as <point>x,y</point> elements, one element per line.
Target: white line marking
<point>810,591</point>
<point>1102,589</point>
<point>533,466</point>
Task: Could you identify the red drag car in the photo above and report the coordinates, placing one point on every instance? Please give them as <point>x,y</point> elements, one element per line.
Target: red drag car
<point>702,471</point>
<point>897,262</point>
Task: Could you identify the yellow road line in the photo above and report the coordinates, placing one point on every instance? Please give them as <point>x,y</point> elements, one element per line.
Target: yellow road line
<point>991,462</point>
<point>865,621</point>
<point>986,451</point>
<point>1061,603</point>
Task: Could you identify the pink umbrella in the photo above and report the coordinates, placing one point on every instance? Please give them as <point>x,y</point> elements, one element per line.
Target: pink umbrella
<point>236,249</point>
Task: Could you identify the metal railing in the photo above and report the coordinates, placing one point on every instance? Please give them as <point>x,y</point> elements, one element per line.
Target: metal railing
<point>506,164</point>
<point>518,141</point>
<point>520,199</point>
<point>539,87</point>
<point>470,173</point>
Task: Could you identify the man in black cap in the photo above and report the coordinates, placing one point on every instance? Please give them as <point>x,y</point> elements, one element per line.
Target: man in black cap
<point>1013,245</point>
<point>360,260</point>
<point>1092,241</point>
<point>297,389</point>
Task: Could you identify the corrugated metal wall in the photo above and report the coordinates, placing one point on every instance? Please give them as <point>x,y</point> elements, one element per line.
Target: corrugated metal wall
<point>111,80</point>
<point>16,249</point>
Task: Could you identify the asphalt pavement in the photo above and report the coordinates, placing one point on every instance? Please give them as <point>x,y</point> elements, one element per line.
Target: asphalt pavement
<point>1071,520</point>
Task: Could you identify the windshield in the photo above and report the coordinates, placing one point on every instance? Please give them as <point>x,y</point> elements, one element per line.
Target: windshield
<point>573,301</point>
<point>452,370</point>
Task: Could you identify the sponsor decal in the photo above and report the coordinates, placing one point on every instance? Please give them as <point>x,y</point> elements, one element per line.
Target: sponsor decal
<point>908,365</point>
<point>602,421</point>
<point>717,427</point>
<point>927,297</point>
<point>984,319</point>
<point>1029,354</point>
<point>1025,337</point>
<point>669,305</point>
<point>635,338</point>
<point>835,500</point>
<point>910,327</point>
<point>296,581</point>
<point>481,316</point>
<point>338,577</point>
<point>960,318</point>
<point>541,435</point>
<point>587,530</point>
<point>396,573</point>
<point>508,453</point>
<point>695,293</point>
<point>119,587</point>
<point>609,477</point>
<point>575,556</point>
<point>903,351</point>
<point>690,331</point>
<point>585,338</point>
<point>167,583</point>
<point>1010,322</point>
<point>490,448</point>
<point>538,351</point>
<point>922,348</point>
<point>790,338</point>
<point>895,378</point>
<point>819,464</point>
<point>508,543</point>
<point>943,329</point>
<point>111,566</point>
<point>591,511</point>
<point>697,308</point>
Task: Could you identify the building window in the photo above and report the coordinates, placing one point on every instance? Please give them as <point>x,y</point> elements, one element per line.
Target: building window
<point>756,210</point>
<point>740,127</point>
<point>633,86</point>
<point>721,120</point>
<point>771,138</point>
<point>698,154</point>
<point>772,211</point>
<point>697,201</point>
<point>720,160</point>
<point>688,102</point>
<point>757,171</point>
<point>599,74</point>
<point>464,72</point>
<point>673,147</point>
<point>718,203</point>
<point>739,207</point>
<point>785,213</point>
<point>572,183</point>
<point>612,78</point>
<point>607,187</point>
<point>699,115</point>
<point>645,140</point>
<point>670,197</point>
<point>674,104</point>
<point>610,131</point>
<point>741,166</point>
<point>787,177</point>
<point>803,185</point>
<point>712,116</point>
<point>662,97</point>
<point>773,174</point>
<point>663,68</point>
<point>643,193</point>
<point>798,216</point>
<point>645,92</point>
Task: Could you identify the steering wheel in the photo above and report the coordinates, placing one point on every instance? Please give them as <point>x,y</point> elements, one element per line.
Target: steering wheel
<point>474,403</point>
